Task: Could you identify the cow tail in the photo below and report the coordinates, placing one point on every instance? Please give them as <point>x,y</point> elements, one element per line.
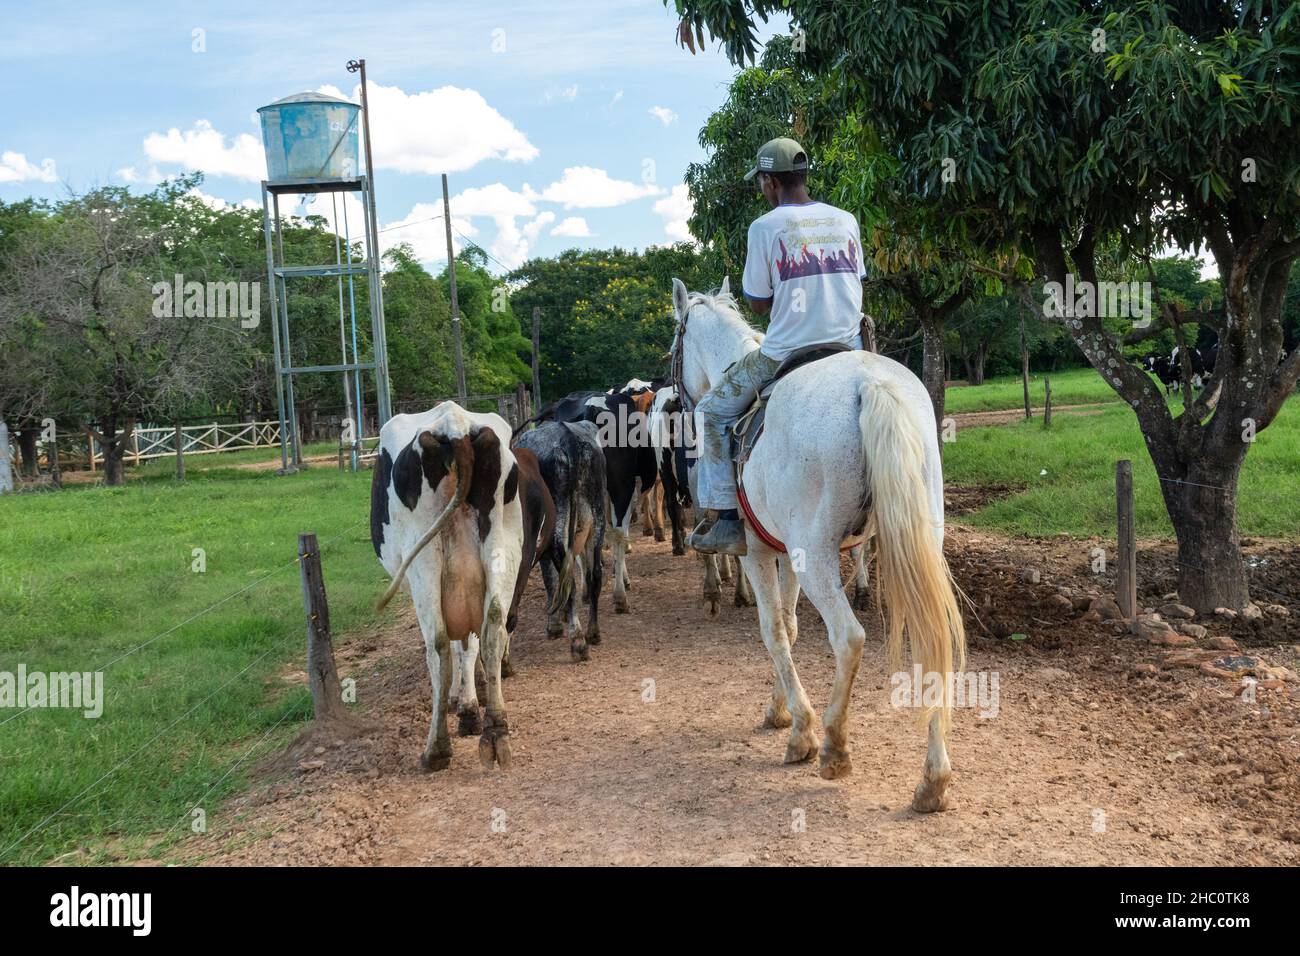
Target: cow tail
<point>564,589</point>
<point>464,458</point>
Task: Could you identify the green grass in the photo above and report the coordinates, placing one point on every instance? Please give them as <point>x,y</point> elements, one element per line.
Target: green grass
<point>1076,496</point>
<point>1072,386</point>
<point>90,573</point>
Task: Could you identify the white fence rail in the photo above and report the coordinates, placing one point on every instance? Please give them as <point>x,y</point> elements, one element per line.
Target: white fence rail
<point>160,442</point>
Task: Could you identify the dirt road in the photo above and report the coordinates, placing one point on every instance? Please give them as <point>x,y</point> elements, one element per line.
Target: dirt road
<point>1090,758</point>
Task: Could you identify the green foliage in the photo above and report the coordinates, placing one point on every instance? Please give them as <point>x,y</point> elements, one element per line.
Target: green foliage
<point>606,315</point>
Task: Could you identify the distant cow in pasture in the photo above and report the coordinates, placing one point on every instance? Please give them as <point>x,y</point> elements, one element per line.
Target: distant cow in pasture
<point>572,464</point>
<point>456,517</point>
<point>1168,368</point>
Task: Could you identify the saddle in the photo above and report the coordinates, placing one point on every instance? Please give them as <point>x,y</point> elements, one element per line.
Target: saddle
<point>748,428</point>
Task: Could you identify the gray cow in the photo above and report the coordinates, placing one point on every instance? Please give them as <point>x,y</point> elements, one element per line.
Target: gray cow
<point>572,465</point>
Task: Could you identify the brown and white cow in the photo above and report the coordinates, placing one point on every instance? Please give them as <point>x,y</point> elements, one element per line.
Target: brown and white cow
<point>456,517</point>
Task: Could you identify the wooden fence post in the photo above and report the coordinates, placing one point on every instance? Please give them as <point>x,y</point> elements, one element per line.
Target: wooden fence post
<point>537,369</point>
<point>521,404</point>
<point>1126,569</point>
<point>326,692</point>
<point>179,439</point>
<point>6,466</point>
<point>90,449</point>
<point>1047,402</point>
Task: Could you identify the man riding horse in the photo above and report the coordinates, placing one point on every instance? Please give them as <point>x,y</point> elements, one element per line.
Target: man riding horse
<point>804,266</point>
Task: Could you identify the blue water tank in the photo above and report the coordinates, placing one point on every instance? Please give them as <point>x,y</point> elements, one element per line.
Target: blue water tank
<point>311,136</point>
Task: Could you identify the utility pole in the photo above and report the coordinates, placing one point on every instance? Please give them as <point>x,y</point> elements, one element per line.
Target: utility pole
<point>455,302</point>
<point>537,358</point>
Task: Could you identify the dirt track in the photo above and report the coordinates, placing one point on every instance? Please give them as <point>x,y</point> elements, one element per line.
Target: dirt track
<point>1088,761</point>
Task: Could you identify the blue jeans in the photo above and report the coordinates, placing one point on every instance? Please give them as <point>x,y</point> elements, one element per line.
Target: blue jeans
<point>717,411</point>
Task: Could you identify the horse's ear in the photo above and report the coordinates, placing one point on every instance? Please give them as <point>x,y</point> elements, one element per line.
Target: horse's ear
<point>726,286</point>
<point>680,295</point>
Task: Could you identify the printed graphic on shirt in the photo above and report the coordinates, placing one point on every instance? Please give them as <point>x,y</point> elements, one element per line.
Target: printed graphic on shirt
<point>808,263</point>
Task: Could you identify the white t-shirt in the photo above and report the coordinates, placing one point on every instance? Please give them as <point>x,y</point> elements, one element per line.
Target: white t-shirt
<point>807,259</point>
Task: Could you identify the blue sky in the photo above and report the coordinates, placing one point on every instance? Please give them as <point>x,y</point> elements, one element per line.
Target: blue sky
<point>565,123</point>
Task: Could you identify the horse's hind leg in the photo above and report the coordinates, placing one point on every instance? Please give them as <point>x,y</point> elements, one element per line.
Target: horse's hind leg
<point>821,581</point>
<point>795,709</point>
<point>778,715</point>
<point>931,792</point>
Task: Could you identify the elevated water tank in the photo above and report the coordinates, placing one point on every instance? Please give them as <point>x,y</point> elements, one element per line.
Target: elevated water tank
<point>311,136</point>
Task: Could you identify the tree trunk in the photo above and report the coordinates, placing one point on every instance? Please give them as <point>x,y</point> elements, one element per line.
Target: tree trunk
<point>932,364</point>
<point>1203,508</point>
<point>30,466</point>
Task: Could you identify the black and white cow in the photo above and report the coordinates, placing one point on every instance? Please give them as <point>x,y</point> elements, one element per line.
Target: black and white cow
<point>672,435</point>
<point>455,517</point>
<point>572,464</point>
<point>1168,368</point>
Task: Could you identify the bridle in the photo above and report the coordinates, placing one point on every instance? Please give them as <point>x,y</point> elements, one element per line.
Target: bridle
<point>677,359</point>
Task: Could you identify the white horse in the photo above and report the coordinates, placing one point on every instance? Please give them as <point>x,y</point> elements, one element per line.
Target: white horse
<point>849,451</point>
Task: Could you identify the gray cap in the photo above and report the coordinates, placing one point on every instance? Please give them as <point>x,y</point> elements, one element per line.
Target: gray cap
<point>781,155</point>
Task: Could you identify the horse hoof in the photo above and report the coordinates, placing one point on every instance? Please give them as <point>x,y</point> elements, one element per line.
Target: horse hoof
<point>593,638</point>
<point>742,601</point>
<point>646,532</point>
<point>930,797</point>
<point>552,632</point>
<point>800,749</point>
<point>579,650</point>
<point>776,720</point>
<point>620,607</point>
<point>835,764</point>
<point>659,536</point>
<point>678,550</point>
<point>507,669</point>
<point>713,606</point>
<point>468,723</point>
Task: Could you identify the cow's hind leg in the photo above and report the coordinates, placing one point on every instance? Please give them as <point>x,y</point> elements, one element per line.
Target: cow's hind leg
<point>762,571</point>
<point>821,581</point>
<point>595,574</point>
<point>712,587</point>
<point>437,655</point>
<point>467,708</point>
<point>550,577</point>
<point>494,742</point>
<point>744,593</point>
<point>861,598</point>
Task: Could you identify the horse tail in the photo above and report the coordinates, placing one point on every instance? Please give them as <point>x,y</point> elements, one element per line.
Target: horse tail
<point>916,585</point>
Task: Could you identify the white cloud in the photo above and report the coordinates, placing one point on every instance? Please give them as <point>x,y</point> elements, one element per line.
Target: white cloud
<point>447,130</point>
<point>219,204</point>
<point>573,226</point>
<point>204,148</point>
<point>534,228</point>
<point>663,114</point>
<point>568,94</point>
<point>584,187</point>
<point>675,210</point>
<point>617,96</point>
<point>14,168</point>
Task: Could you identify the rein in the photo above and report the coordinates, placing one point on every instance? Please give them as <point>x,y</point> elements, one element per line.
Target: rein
<point>675,369</point>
